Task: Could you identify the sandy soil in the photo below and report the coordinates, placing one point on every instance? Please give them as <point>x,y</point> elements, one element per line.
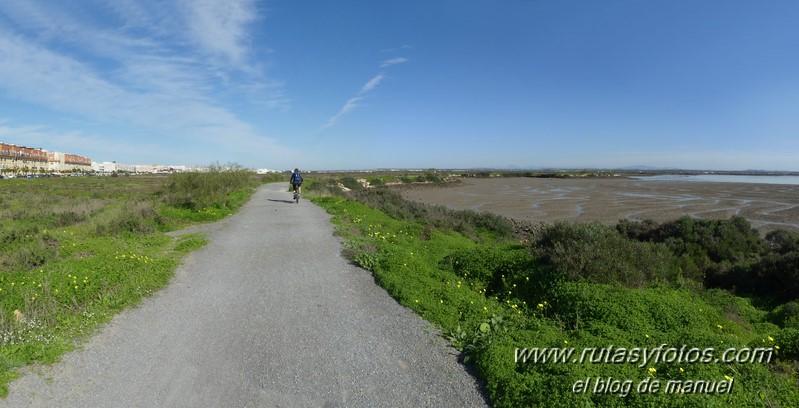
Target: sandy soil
<point>767,206</point>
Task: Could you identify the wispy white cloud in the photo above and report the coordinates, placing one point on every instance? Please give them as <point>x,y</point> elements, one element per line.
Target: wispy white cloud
<point>351,104</point>
<point>393,61</point>
<point>372,84</point>
<point>197,41</point>
<point>368,87</point>
<point>220,27</point>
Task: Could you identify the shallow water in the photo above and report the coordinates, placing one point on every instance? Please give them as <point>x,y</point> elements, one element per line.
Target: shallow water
<point>725,178</point>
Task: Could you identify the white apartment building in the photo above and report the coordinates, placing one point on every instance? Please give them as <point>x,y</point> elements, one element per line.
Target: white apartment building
<point>65,162</point>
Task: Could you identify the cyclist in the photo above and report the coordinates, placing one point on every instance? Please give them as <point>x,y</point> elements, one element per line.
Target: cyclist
<point>296,181</point>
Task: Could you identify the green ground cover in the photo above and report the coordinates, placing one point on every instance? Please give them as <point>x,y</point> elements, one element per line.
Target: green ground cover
<point>583,287</point>
<point>75,251</point>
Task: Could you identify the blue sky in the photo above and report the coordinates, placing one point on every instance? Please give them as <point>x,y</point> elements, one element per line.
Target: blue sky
<point>413,83</point>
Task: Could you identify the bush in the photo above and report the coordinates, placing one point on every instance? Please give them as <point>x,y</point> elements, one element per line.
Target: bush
<point>431,177</point>
<point>351,183</point>
<point>713,245</point>
<point>31,253</point>
<point>786,315</point>
<point>19,234</point>
<point>596,253</point>
<point>775,277</point>
<point>730,254</point>
<point>788,341</point>
<point>197,191</point>
<point>25,248</point>
<point>68,218</point>
<point>138,219</point>
<point>326,186</point>
<point>646,230</point>
<point>783,242</point>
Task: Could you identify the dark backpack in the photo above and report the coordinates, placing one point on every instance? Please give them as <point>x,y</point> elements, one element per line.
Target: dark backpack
<point>296,178</point>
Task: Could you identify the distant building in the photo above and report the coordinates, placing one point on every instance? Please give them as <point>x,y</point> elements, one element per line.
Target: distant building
<point>20,159</point>
<point>145,168</point>
<point>111,167</point>
<point>126,168</point>
<point>65,162</point>
<point>266,171</point>
<point>104,167</point>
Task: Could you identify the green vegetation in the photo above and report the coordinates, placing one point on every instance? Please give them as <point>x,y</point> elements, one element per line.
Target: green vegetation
<point>190,242</point>
<point>586,287</point>
<point>77,250</point>
<point>466,222</point>
<point>351,183</point>
<point>729,254</point>
<point>598,254</point>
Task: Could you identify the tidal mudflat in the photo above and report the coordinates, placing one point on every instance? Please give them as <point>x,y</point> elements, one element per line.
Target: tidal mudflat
<point>766,206</point>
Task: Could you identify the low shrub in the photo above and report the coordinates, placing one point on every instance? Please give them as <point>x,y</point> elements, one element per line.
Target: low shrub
<point>788,341</point>
<point>68,218</point>
<point>786,315</point>
<point>714,246</point>
<point>19,234</point>
<point>351,183</point>
<point>596,253</point>
<point>128,218</point>
<point>26,247</point>
<point>775,277</point>
<point>197,191</point>
<point>33,252</point>
<point>783,242</point>
<point>729,254</point>
<point>324,186</point>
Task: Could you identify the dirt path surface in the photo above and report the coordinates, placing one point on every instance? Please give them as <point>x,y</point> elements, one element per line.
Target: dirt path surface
<point>766,206</point>
<point>267,315</point>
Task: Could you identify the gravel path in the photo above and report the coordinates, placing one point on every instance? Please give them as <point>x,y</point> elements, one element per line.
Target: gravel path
<point>267,315</point>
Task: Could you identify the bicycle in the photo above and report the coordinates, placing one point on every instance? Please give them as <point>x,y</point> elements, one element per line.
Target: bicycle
<point>296,194</point>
